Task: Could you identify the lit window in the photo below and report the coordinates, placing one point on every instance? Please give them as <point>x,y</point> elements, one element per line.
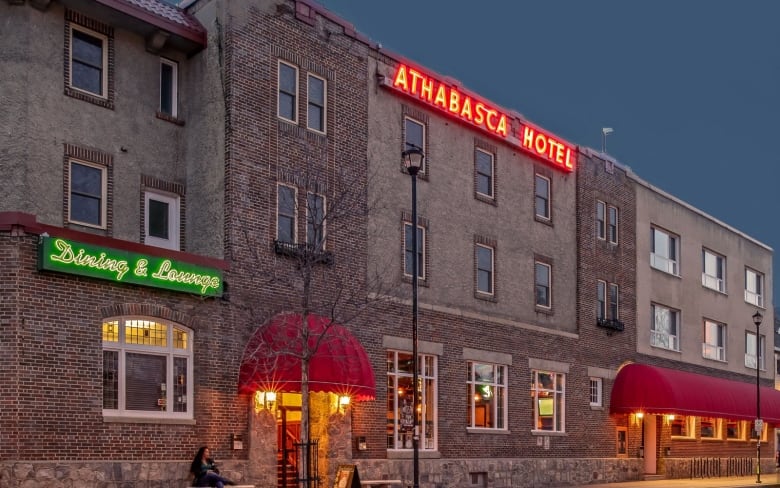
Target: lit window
<point>709,428</point>
<point>714,271</point>
<point>87,194</point>
<point>484,257</point>
<point>663,251</point>
<point>548,401</point>
<point>754,287</point>
<point>714,345</point>
<point>285,214</point>
<point>414,137</point>
<point>88,61</point>
<point>487,399</point>
<point>682,426</point>
<point>543,277</point>
<point>288,92</point>
<point>409,256</point>
<point>735,430</point>
<point>161,220</point>
<point>601,219</point>
<point>595,392</point>
<point>316,100</point>
<point>315,221</point>
<point>400,405</point>
<point>542,205</point>
<point>665,327</point>
<point>483,163</point>
<point>750,351</point>
<point>169,87</point>
<point>147,368</point>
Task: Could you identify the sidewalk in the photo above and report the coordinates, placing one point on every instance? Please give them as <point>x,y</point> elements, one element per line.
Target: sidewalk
<point>767,480</point>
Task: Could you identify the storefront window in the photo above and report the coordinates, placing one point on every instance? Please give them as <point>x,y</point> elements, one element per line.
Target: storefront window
<point>400,400</point>
<point>682,426</point>
<point>548,401</point>
<point>487,395</point>
<point>710,428</point>
<point>734,430</point>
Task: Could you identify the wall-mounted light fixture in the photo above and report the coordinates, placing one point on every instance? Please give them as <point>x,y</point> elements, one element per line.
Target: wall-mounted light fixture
<point>343,403</point>
<point>238,441</point>
<point>265,400</point>
<point>361,443</point>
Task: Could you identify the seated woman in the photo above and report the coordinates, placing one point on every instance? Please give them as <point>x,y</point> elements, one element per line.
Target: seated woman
<point>205,472</point>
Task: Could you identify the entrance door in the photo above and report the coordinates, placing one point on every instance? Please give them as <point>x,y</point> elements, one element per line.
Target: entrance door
<point>288,434</point>
<point>650,438</point>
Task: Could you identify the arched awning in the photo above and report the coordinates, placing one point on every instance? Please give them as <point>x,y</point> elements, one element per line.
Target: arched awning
<point>650,389</point>
<point>272,359</point>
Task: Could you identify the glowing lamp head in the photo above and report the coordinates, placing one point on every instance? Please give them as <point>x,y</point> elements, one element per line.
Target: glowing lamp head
<point>413,160</point>
<point>757,318</point>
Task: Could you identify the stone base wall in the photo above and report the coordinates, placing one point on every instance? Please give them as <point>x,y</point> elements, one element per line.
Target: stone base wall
<point>716,467</point>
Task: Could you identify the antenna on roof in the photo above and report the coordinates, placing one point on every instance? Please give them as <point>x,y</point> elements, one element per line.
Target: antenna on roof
<point>604,133</point>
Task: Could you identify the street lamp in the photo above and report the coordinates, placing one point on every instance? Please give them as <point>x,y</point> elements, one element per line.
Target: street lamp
<point>759,427</point>
<point>413,161</point>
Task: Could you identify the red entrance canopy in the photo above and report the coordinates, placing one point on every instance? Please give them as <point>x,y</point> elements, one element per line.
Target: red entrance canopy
<point>339,364</point>
<point>650,389</point>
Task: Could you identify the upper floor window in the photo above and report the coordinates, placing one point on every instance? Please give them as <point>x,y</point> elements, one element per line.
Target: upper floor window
<point>612,224</point>
<point>408,251</point>
<point>663,251</point>
<point>286,228</point>
<point>754,287</point>
<point>400,395</point>
<point>484,258</point>
<point>414,137</point>
<point>714,271</point>
<point>88,61</point>
<point>147,368</point>
<point>169,87</point>
<point>316,96</point>
<point>714,345</point>
<point>601,220</point>
<point>665,327</point>
<point>483,165</point>
<point>595,392</point>
<point>87,203</point>
<point>315,221</point>
<point>548,401</point>
<point>288,92</point>
<point>161,220</point>
<point>607,300</point>
<point>543,278</point>
<point>750,351</point>
<point>542,200</point>
<point>487,400</point>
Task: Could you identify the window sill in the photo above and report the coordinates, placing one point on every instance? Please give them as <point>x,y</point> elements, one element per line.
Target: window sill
<point>543,220</point>
<point>408,454</point>
<point>711,439</point>
<point>481,197</point>
<point>544,310</point>
<point>485,297</point>
<point>121,419</point>
<point>682,438</point>
<point>487,430</point>
<point>88,97</point>
<point>664,271</point>
<point>169,118</point>
<point>722,292</point>
<point>551,433</point>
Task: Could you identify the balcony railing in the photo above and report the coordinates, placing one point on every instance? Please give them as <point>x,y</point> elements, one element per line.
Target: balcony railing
<point>612,324</point>
<point>304,252</point>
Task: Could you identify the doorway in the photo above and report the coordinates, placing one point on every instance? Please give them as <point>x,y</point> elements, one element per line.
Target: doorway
<point>288,435</point>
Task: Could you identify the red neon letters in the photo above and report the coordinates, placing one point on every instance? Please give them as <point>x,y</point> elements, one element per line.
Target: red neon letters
<point>547,147</point>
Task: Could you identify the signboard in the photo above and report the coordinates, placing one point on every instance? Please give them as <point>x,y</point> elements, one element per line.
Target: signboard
<point>347,477</point>
<point>446,98</point>
<point>66,256</point>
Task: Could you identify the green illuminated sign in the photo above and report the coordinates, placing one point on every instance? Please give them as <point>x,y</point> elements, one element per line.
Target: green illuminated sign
<point>72,257</point>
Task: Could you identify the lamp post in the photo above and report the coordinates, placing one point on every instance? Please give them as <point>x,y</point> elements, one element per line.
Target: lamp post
<point>413,161</point>
<point>757,318</point>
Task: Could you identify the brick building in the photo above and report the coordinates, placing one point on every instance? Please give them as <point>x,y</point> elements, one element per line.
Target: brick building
<point>227,165</point>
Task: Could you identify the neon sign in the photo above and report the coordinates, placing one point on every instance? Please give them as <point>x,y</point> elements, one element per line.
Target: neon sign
<point>448,99</point>
<point>65,256</point>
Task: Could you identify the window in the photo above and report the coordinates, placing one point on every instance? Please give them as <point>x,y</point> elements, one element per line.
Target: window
<point>408,256</point>
<point>612,224</point>
<point>613,301</point>
<point>87,194</point>
<point>147,368</point>
<point>735,430</point>
<point>285,214</point>
<point>169,87</point>
<point>483,164</point>
<point>665,328</point>
<point>543,277</point>
<point>414,136</point>
<point>709,428</point>
<point>88,61</point>
<point>595,392</point>
<point>542,205</point>
<point>663,251</point>
<point>315,221</point>
<point>714,345</point>
<point>750,351</point>
<point>754,434</point>
<point>682,426</point>
<point>607,300</point>
<point>288,92</point>
<point>601,219</point>
<point>316,100</point>
<point>754,287</point>
<point>484,258</point>
<point>161,220</point>
<point>714,271</point>
<point>400,407</point>
<point>548,401</point>
<point>487,399</point>
<point>601,300</point>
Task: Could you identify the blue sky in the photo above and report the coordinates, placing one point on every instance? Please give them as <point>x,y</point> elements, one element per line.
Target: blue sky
<point>691,88</point>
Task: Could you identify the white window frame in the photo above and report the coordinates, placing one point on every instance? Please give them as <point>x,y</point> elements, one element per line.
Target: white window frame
<point>662,339</point>
<point>174,86</point>
<point>103,193</point>
<point>295,96</point>
<point>754,287</point>
<point>661,259</point>
<point>713,274</point>
<point>601,220</point>
<point>558,392</point>
<point>323,107</point>
<point>549,285</point>
<point>169,351</point>
<point>750,351</point>
<point>421,252</point>
<point>612,237</point>
<point>294,214</point>
<point>410,145</point>
<point>312,226</point>
<point>601,300</point>
<point>492,269</point>
<point>714,347</point>
<point>479,174</point>
<point>104,60</point>
<point>547,198</point>
<point>596,392</point>
<point>173,202</point>
<point>496,387</point>
<point>428,379</point>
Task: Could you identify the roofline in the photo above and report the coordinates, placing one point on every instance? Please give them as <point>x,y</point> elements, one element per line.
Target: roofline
<point>197,36</point>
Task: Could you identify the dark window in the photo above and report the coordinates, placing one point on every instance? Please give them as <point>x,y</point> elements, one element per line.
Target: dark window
<point>286,214</point>
<point>87,62</point>
<point>542,285</point>
<point>316,97</point>
<point>484,166</point>
<point>159,213</point>
<point>542,197</point>
<point>315,221</point>
<point>408,256</point>
<point>168,88</point>
<point>86,194</point>
<point>484,269</point>
<point>288,91</point>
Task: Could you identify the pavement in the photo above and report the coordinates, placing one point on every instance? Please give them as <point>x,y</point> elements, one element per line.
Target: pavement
<point>767,480</point>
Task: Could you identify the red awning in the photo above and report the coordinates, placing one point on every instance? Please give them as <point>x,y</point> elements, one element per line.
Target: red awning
<point>643,388</point>
<point>272,359</point>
